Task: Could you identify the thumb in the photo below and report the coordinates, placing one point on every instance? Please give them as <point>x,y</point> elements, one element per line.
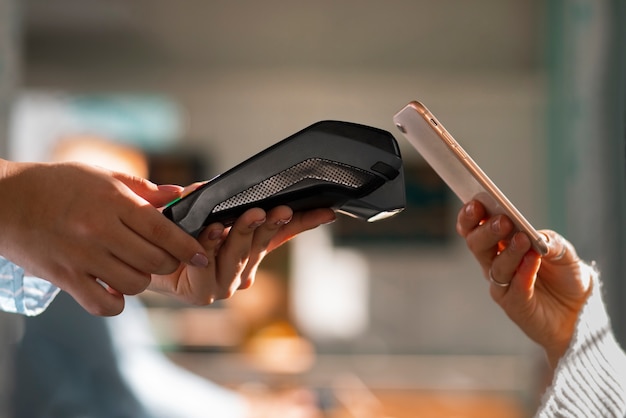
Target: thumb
<point>157,196</point>
<point>560,250</point>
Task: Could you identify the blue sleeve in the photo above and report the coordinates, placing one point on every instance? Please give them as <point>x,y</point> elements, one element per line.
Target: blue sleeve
<point>23,294</point>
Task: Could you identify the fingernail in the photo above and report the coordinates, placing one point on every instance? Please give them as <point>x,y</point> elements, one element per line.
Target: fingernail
<point>469,210</point>
<point>170,188</point>
<point>256,224</point>
<point>283,221</point>
<point>199,260</point>
<point>495,225</point>
<point>215,234</point>
<point>513,242</point>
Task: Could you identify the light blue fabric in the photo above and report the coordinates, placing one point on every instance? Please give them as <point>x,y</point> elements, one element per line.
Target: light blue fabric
<point>23,294</point>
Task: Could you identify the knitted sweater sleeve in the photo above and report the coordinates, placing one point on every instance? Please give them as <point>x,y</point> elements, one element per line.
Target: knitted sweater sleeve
<point>590,379</point>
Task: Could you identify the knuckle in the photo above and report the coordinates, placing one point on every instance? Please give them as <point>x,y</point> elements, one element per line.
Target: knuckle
<point>87,226</point>
<point>162,264</point>
<point>471,244</point>
<point>161,230</point>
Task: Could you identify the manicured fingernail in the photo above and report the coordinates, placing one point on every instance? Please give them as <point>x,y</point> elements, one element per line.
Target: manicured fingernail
<point>513,243</point>
<point>495,225</point>
<point>469,210</point>
<point>215,234</point>
<point>199,260</point>
<point>256,224</point>
<point>170,188</point>
<point>283,221</point>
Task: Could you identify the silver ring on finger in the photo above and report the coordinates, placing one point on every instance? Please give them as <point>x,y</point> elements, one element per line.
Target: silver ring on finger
<point>497,283</point>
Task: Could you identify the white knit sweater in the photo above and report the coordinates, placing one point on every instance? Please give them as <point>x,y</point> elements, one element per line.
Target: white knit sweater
<point>590,379</point>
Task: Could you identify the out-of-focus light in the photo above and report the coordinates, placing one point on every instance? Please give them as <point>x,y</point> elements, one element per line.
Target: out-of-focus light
<point>329,289</point>
<point>101,152</point>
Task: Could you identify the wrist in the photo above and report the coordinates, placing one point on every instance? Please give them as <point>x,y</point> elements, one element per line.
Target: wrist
<point>10,169</point>
<point>555,351</point>
<point>15,190</point>
<point>554,356</point>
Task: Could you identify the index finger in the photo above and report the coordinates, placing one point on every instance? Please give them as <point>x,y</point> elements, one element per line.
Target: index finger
<point>155,228</point>
<point>469,217</point>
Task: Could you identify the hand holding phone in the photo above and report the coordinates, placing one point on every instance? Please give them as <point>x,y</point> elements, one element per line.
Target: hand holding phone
<point>452,163</point>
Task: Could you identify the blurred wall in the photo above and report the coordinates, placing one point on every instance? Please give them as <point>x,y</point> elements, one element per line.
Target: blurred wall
<point>11,325</point>
<point>587,174</point>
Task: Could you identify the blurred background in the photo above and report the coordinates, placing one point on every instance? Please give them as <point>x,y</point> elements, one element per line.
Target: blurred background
<point>385,320</point>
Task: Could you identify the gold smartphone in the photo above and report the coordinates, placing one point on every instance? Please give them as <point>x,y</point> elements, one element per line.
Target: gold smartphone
<point>466,179</point>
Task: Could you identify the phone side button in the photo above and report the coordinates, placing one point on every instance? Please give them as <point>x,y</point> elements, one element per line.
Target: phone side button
<point>448,138</point>
<point>460,152</point>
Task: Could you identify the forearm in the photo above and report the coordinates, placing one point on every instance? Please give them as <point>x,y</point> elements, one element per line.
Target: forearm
<point>19,292</point>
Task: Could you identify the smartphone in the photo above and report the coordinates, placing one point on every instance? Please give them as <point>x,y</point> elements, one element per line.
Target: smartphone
<point>454,165</point>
